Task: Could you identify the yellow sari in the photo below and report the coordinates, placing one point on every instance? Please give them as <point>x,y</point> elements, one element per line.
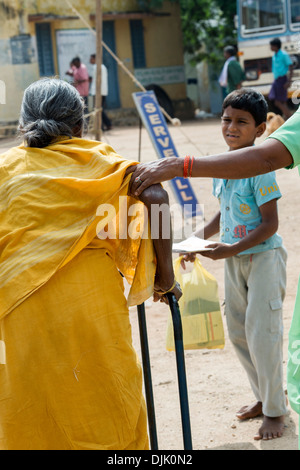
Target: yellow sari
<point>69,376</point>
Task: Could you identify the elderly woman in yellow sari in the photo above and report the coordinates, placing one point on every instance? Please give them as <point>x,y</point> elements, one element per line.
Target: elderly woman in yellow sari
<point>69,376</point>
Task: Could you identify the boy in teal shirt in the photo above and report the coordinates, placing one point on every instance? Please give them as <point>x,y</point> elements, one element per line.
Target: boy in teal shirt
<point>255,265</point>
<point>281,65</point>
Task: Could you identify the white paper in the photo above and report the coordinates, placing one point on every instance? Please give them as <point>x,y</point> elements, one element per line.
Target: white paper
<point>191,245</point>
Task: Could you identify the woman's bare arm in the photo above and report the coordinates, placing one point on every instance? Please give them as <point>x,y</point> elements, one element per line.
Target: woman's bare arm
<point>156,197</point>
<point>244,163</point>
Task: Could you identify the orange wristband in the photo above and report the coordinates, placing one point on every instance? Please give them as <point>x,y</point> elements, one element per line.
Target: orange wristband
<point>186,166</point>
<point>191,167</point>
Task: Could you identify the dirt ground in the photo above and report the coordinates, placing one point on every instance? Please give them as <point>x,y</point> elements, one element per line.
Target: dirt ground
<point>217,384</point>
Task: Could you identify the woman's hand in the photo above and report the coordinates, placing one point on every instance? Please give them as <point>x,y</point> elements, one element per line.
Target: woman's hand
<point>160,294</point>
<point>147,174</point>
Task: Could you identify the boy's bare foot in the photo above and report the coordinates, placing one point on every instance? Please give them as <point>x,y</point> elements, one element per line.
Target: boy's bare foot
<point>271,428</point>
<point>251,411</point>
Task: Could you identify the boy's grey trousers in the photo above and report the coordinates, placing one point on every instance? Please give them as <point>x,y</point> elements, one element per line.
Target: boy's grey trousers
<point>254,292</point>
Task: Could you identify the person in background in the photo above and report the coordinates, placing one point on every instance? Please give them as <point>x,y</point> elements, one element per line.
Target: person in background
<point>80,75</point>
<point>105,122</point>
<point>282,68</point>
<point>232,74</point>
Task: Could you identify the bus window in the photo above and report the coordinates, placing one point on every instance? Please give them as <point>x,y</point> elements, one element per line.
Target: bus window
<point>262,16</point>
<point>255,67</point>
<point>295,14</point>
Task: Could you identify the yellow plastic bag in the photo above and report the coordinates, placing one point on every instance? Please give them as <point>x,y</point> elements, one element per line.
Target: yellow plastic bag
<point>199,305</point>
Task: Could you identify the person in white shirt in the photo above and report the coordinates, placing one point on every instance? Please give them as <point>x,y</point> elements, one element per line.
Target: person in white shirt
<point>106,122</point>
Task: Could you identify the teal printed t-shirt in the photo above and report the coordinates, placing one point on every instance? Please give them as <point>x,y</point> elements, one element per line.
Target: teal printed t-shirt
<point>239,206</point>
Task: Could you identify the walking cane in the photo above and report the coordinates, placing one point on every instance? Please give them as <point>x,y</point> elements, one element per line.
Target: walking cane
<point>181,372</point>
<point>147,377</point>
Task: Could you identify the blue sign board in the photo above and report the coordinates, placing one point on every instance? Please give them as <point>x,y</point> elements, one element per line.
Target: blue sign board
<point>155,123</point>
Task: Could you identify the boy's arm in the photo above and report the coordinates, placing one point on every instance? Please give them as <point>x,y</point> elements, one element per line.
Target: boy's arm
<point>265,230</point>
<point>210,229</point>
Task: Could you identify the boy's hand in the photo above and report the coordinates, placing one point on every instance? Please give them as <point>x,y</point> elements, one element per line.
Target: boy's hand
<point>187,257</point>
<point>220,251</point>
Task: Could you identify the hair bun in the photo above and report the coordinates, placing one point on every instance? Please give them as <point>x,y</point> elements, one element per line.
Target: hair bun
<point>51,108</point>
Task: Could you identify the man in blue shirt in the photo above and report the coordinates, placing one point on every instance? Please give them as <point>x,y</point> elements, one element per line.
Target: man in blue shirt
<point>281,65</point>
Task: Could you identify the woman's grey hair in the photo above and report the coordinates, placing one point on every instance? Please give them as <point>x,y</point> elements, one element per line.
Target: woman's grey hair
<point>51,108</point>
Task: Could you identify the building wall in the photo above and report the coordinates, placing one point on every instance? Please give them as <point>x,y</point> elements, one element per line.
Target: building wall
<point>19,57</point>
<point>86,7</point>
<point>16,72</point>
<point>124,52</point>
<point>168,50</point>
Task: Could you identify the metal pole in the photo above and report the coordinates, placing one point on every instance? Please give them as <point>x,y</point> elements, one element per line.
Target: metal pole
<point>140,139</point>
<point>147,376</point>
<point>98,99</point>
<point>182,383</point>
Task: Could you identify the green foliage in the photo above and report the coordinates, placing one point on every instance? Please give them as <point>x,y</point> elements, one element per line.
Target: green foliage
<point>207,25</point>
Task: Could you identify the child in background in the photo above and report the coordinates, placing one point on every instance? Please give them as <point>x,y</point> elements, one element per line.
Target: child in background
<point>255,265</point>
